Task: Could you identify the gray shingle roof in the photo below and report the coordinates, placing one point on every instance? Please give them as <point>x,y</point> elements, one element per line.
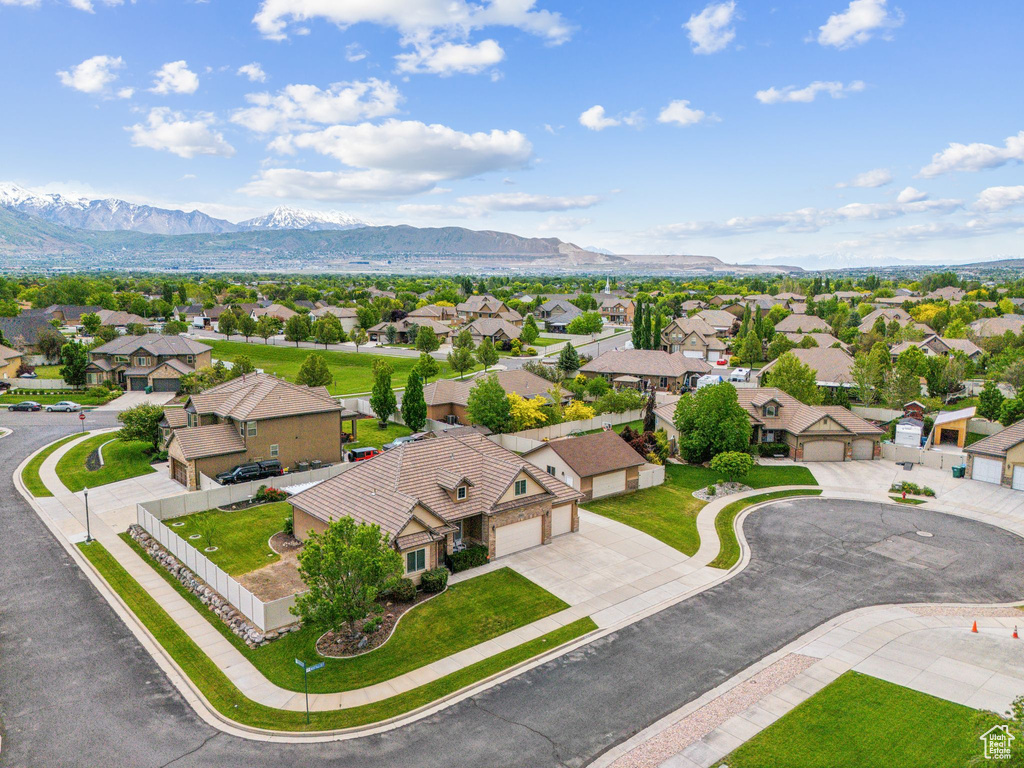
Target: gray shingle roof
<point>153,343</point>
<point>596,454</point>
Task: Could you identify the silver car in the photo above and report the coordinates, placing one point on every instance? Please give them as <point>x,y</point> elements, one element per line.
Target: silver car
<point>64,405</point>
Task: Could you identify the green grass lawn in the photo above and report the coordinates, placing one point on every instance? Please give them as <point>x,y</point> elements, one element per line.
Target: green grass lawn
<point>352,370</point>
<point>668,512</point>
<point>862,722</point>
<point>901,500</point>
<point>230,702</point>
<point>370,434</point>
<point>48,372</point>
<point>637,425</point>
<point>729,554</point>
<point>30,474</point>
<point>49,398</point>
<point>121,461</point>
<point>973,437</point>
<point>540,341</point>
<point>241,537</point>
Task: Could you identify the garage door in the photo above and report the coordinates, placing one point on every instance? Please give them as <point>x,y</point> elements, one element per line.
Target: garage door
<point>179,472</point>
<point>987,470</point>
<point>165,385</point>
<point>561,519</point>
<point>609,484</point>
<point>1018,478</point>
<point>863,450</point>
<point>137,383</point>
<point>516,536</point>
<point>824,450</point>
<point>692,353</point>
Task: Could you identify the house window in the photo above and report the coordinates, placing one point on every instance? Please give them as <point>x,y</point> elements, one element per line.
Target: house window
<point>141,361</point>
<point>551,470</point>
<point>190,359</point>
<point>771,411</point>
<point>460,492</point>
<point>274,451</point>
<point>520,488</point>
<point>193,419</point>
<point>250,429</point>
<point>415,561</point>
<point>120,358</point>
<point>663,382</point>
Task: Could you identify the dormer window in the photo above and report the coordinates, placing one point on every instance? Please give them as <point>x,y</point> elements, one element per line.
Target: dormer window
<point>520,488</point>
<point>460,493</point>
<point>771,410</point>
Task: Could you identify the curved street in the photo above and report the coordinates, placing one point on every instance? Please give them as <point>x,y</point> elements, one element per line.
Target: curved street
<point>79,690</point>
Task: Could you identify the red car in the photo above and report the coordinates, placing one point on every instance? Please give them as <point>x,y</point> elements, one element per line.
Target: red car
<point>362,454</point>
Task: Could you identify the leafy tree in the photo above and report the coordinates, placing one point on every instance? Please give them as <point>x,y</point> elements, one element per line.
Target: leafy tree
<point>106,333</point>
<point>227,324</point>
<point>587,323</point>
<point>91,323</point>
<point>296,329</point>
<point>486,354</point>
<point>598,386</point>
<point>382,397</point>
<point>242,365</point>
<point>314,372</point>
<point>463,340</point>
<point>638,338</point>
<point>74,360</point>
<point>428,367</point>
<point>733,465</point>
<point>650,421</point>
<point>990,401</point>
<point>367,317</point>
<point>780,345</point>
<point>902,385</point>
<point>711,421</point>
<point>568,359</point>
<point>359,336</point>
<point>265,328</point>
<point>49,342</point>
<point>460,360</point>
<point>750,350</point>
<point>426,340</point>
<point>795,378</point>
<point>526,413</point>
<point>141,424</point>
<point>175,327</point>
<point>345,569</point>
<point>414,407</point>
<point>530,331</point>
<point>489,406</point>
<point>391,333</point>
<point>136,329</point>
<point>1011,411</point>
<point>327,330</point>
<point>945,375</point>
<point>577,410</point>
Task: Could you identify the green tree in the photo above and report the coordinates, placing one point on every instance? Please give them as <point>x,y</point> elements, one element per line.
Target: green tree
<point>265,328</point>
<point>990,401</point>
<point>345,569</point>
<point>414,407</point>
<point>733,465</point>
<point>49,342</point>
<point>568,359</point>
<point>901,385</point>
<point>296,329</point>
<point>795,378</point>
<point>314,372</point>
<point>750,349</point>
<point>486,354</point>
<point>530,331</point>
<point>428,367</point>
<point>463,340</point>
<point>106,333</point>
<point>488,405</point>
<point>656,329</point>
<point>638,327</point>
<point>242,365</point>
<point>460,360</point>
<point>1011,411</point>
<point>141,424</point>
<point>327,330</point>
<point>359,337</point>
<point>391,333</point>
<point>74,360</point>
<point>711,421</point>
<point>426,340</point>
<point>587,323</point>
<point>227,324</point>
<point>175,327</point>
<point>382,397</point>
<point>91,323</point>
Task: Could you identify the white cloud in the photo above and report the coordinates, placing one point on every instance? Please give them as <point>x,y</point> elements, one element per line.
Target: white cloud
<point>253,71</point>
<point>431,210</point>
<point>336,185</point>
<point>859,23</point>
<point>448,58</point>
<point>680,113</point>
<point>975,157</point>
<point>523,201</point>
<point>172,132</point>
<point>297,106</point>
<point>878,177</point>
<point>175,77</point>
<point>355,52</point>
<point>809,93</point>
<point>911,195</point>
<point>563,224</point>
<point>998,198</point>
<point>596,120</point>
<point>711,29</point>
<point>22,3</point>
<point>82,5</point>
<point>94,75</point>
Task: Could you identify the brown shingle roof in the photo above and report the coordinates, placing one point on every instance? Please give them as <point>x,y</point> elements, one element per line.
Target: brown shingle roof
<point>153,343</point>
<point>796,417</point>
<point>453,391</point>
<point>802,324</point>
<point>999,443</point>
<point>262,396</point>
<point>596,454</point>
<point>209,440</point>
<point>646,362</point>
<point>831,366</point>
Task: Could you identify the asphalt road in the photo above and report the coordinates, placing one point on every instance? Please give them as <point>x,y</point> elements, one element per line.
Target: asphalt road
<point>76,689</point>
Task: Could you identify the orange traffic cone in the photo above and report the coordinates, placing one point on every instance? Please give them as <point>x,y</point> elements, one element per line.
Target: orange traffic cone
<point>975,627</point>
<point>1015,633</point>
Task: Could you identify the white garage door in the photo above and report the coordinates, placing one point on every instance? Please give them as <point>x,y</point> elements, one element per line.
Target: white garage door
<point>987,470</point>
<point>516,536</point>
<point>824,450</point>
<point>714,357</point>
<point>1018,478</point>
<point>863,450</point>
<point>561,519</point>
<point>692,353</point>
<point>608,484</point>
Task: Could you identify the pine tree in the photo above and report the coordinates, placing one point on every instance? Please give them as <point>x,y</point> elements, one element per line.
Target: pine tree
<point>314,372</point>
<point>638,324</point>
<point>568,359</point>
<point>648,330</point>
<point>414,407</point>
<point>656,331</point>
<point>382,398</point>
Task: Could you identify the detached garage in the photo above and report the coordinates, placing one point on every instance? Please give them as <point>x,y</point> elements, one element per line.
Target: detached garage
<point>598,465</point>
<point>998,458</point>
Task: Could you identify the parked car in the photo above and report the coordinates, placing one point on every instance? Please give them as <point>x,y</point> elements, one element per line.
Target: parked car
<point>404,439</point>
<point>64,405</point>
<point>362,454</point>
<point>256,470</point>
<point>25,405</point>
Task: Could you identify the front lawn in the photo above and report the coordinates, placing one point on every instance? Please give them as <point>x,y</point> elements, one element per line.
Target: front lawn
<point>863,722</point>
<point>48,372</point>
<point>121,461</point>
<point>540,341</point>
<point>352,371</point>
<point>637,425</point>
<point>371,435</point>
<point>668,512</point>
<point>49,398</point>
<point>30,474</point>
<point>729,553</point>
<point>230,702</point>
<point>241,537</point>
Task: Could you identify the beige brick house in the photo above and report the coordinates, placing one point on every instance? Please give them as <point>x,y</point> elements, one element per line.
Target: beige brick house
<point>432,496</point>
<point>447,398</point>
<point>137,362</point>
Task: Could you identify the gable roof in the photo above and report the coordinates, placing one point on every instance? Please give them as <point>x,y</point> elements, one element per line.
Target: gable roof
<point>7,354</point>
<point>999,443</point>
<point>802,324</point>
<point>718,318</point>
<point>831,366</point>
<point>456,392</point>
<point>595,454</point>
<point>646,362</point>
<point>27,327</point>
<point>209,440</point>
<point>796,417</point>
<point>688,325</point>
<point>154,343</point>
<point>262,396</point>
<point>489,326</point>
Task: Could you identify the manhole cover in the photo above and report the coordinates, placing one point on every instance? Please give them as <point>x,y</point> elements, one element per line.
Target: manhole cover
<point>925,534</point>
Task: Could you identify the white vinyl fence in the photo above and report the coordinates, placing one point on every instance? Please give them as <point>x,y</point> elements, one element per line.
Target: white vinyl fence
<point>563,429</point>
<point>651,475</point>
<point>984,426</point>
<point>37,384</point>
<point>933,459</point>
<point>876,414</point>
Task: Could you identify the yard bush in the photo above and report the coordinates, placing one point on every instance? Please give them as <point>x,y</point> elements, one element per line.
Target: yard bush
<point>434,580</point>
<point>371,625</point>
<point>404,591</point>
<point>289,525</point>
<point>264,493</point>
<point>772,449</point>
<point>471,557</point>
<point>912,488</point>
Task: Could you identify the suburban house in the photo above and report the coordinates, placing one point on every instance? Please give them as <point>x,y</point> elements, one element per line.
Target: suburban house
<point>950,293</point>
<point>10,362</point>
<point>647,369</point>
<point>433,496</point>
<point>278,311</point>
<point>692,305</point>
<point>134,363</point>
<point>434,312</point>
<point>407,328</point>
<point>887,314</point>
<point>821,339</point>
<point>724,323</point>
<point>497,330</point>
<point>598,465</point>
<point>121,320</point>
<point>998,458</point>
<point>802,324</point>
<point>724,298</point>
<point>934,345</point>
<point>832,366</point>
<point>173,418</point>
<point>22,332</point>
<point>616,311</point>
<point>255,418</point>
<point>475,307</point>
<point>447,398</point>
<point>559,323</point>
<point>66,314</point>
<point>346,316</point>
<point>554,307</point>
<point>985,328</point>
<point>693,337</point>
<point>812,432</point>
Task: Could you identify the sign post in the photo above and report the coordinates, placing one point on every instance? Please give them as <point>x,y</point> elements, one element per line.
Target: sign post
<point>306,669</point>
<point>81,418</point>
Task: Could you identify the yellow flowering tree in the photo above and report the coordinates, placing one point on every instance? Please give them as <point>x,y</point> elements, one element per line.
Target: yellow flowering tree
<point>527,414</point>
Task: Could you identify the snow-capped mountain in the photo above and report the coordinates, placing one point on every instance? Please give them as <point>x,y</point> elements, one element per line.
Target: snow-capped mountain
<point>284,217</point>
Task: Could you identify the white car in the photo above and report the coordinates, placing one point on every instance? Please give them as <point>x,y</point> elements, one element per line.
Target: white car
<point>64,405</point>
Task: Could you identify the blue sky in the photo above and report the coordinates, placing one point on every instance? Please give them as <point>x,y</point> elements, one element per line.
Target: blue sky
<point>822,132</point>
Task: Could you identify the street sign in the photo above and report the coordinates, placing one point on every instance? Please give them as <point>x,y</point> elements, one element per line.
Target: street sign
<point>305,679</point>
<point>81,416</point>
<point>315,667</point>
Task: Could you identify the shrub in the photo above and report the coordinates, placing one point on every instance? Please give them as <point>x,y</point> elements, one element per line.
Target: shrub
<point>772,449</point>
<point>434,580</point>
<point>160,456</point>
<point>926,491</point>
<point>471,557</point>
<point>289,526</point>
<point>733,465</point>
<point>264,493</point>
<point>404,591</point>
<point>372,625</point>
<point>712,490</point>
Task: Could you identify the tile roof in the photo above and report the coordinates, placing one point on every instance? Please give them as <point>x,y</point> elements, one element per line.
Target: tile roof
<point>456,392</point>
<point>489,326</point>
<point>6,353</point>
<point>175,417</point>
<point>687,325</point>
<point>796,417</point>
<point>718,318</point>
<point>832,366</point>
<point>822,339</point>
<point>802,324</point>
<point>119,319</point>
<point>595,454</point>
<point>646,362</point>
<point>986,327</point>
<point>263,396</point>
<point>153,343</point>
<point>999,443</point>
<point>888,314</point>
<point>339,312</point>
<point>209,440</point>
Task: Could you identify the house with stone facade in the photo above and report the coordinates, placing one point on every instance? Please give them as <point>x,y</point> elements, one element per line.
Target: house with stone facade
<point>134,363</point>
<point>475,307</point>
<point>433,496</point>
<point>500,332</point>
<point>407,329</point>
<point>616,311</point>
<point>693,337</point>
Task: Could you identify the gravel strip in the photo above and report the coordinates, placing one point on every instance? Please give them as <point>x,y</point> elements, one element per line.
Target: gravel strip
<point>957,610</point>
<point>703,721</point>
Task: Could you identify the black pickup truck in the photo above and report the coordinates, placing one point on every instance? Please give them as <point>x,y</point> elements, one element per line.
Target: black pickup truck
<point>256,470</point>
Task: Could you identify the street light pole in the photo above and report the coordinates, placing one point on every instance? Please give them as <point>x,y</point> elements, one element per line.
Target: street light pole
<point>88,533</point>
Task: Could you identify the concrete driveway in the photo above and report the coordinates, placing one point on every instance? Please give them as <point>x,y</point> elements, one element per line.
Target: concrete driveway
<point>131,399</point>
